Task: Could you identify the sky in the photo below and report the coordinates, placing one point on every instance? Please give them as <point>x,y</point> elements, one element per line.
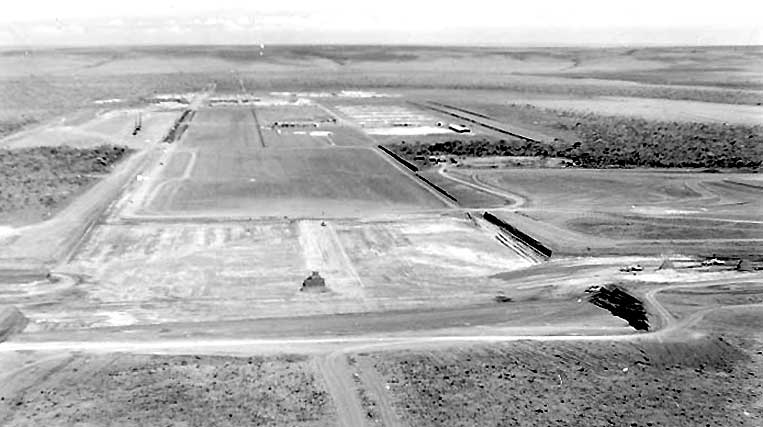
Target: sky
<point>474,22</point>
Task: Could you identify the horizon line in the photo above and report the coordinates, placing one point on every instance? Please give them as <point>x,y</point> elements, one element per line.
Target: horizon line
<point>365,44</point>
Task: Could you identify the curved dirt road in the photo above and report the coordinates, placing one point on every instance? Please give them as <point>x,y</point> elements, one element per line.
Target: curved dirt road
<point>516,200</point>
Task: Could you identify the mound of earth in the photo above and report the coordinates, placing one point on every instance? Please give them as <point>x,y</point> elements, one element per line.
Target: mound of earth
<point>12,321</point>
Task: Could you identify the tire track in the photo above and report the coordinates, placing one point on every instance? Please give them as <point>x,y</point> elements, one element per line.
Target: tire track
<point>337,375</point>
<point>371,378</point>
<point>517,201</point>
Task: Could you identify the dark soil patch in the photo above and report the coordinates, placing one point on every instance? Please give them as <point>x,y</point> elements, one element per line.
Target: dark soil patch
<point>34,182</point>
<point>675,228</point>
<point>135,390</point>
<point>695,383</point>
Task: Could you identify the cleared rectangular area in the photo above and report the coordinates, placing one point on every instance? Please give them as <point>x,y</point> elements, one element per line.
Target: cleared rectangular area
<point>198,272</point>
<point>373,116</point>
<point>308,182</point>
<point>292,175</point>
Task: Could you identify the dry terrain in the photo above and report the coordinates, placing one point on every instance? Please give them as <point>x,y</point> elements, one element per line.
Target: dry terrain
<point>646,211</point>
<point>35,182</point>
<point>170,288</point>
<point>703,382</point>
<point>126,389</point>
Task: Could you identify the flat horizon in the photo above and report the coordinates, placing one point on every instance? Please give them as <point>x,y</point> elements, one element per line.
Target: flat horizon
<point>390,45</point>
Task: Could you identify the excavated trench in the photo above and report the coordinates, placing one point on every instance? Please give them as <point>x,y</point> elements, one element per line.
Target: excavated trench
<point>620,303</point>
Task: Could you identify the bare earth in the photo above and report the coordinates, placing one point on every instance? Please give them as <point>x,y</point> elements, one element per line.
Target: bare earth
<point>169,292</point>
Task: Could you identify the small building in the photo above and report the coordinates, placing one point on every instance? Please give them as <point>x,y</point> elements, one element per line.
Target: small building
<point>458,128</point>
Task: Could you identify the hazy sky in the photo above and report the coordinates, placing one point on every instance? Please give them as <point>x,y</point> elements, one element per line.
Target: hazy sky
<point>536,22</point>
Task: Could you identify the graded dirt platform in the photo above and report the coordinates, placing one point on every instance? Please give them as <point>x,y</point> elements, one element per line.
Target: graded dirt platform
<point>641,211</point>
<point>184,272</point>
<point>658,109</point>
<point>232,173</point>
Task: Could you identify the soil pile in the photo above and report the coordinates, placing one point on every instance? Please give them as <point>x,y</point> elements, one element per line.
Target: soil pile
<point>12,321</point>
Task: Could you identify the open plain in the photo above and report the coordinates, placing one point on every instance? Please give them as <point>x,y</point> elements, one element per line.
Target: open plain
<point>474,287</point>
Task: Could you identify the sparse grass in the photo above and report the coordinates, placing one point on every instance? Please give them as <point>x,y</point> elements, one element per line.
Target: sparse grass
<point>135,390</point>
<point>574,384</point>
<point>9,126</point>
<point>26,100</point>
<point>597,212</point>
<point>36,181</point>
<point>466,196</point>
<point>682,302</point>
<point>644,227</point>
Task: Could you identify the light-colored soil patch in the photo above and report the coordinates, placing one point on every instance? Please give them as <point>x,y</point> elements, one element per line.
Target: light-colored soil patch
<point>111,127</point>
<point>658,109</point>
<point>409,131</point>
<point>444,259</point>
<point>298,114</point>
<point>290,138</point>
<point>385,116</point>
<point>682,302</point>
<point>191,272</point>
<point>648,211</point>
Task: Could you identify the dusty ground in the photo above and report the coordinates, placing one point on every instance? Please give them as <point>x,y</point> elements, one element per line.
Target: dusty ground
<point>138,274</point>
<point>657,212</point>
<point>278,178</point>
<point>167,304</point>
<point>126,389</point>
<point>658,109</point>
<point>704,382</point>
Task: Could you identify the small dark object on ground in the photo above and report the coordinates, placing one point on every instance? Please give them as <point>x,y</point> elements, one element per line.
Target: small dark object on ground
<point>314,283</point>
<point>632,268</point>
<point>744,265</point>
<point>502,298</point>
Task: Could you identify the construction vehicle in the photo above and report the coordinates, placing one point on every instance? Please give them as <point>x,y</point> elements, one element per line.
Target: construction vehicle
<point>138,124</point>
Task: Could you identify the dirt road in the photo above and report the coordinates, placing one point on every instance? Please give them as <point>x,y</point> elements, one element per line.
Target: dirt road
<point>516,200</point>
<point>338,378</point>
<point>331,351</point>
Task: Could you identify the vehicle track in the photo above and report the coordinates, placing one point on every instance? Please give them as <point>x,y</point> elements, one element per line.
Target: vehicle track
<point>517,201</point>
<point>332,364</point>
<point>338,379</point>
<point>374,382</point>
